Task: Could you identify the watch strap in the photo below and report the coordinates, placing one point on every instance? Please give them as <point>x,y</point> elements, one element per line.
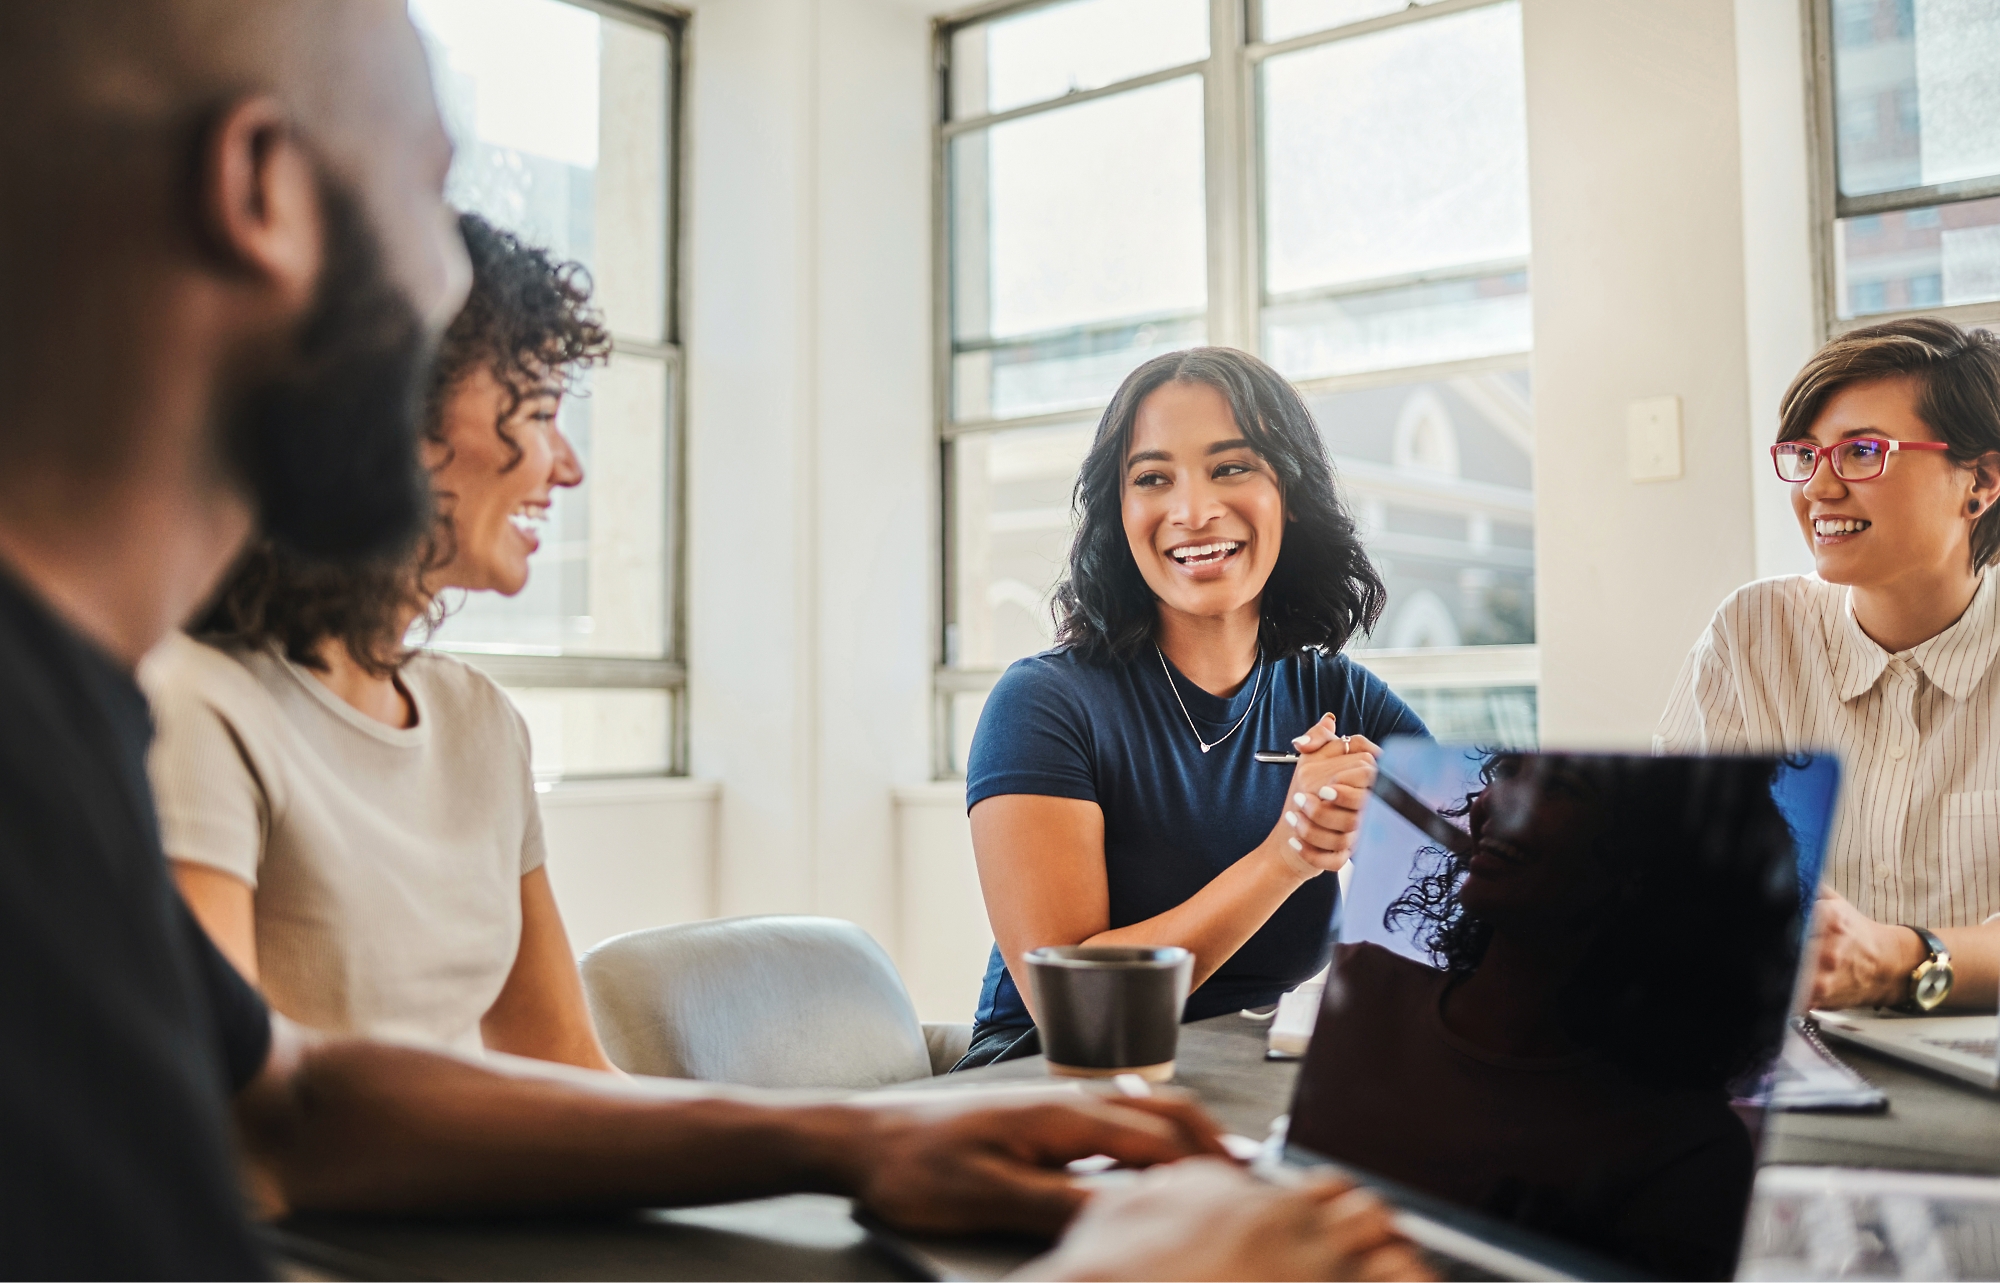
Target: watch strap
<point>1939,953</point>
<point>1939,956</point>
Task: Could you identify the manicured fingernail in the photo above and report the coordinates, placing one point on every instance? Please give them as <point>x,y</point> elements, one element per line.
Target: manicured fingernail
<point>1299,800</point>
<point>1330,794</point>
<point>1295,844</point>
<point>1291,819</point>
<point>1302,741</point>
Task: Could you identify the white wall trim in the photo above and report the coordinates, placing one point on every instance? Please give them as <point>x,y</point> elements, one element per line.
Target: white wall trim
<point>569,793</point>
<point>945,793</point>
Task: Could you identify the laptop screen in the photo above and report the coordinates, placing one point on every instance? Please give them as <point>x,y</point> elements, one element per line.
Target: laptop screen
<point>1557,975</point>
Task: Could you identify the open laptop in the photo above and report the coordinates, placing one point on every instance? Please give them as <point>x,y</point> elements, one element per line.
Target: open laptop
<point>1561,980</point>
<point>1966,1047</point>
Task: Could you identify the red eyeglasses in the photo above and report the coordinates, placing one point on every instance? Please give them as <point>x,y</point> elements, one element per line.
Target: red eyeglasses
<point>1855,459</point>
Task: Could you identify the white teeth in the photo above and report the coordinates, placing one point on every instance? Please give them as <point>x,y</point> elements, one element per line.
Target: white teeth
<point>1204,552</point>
<point>528,521</point>
<point>1825,526</point>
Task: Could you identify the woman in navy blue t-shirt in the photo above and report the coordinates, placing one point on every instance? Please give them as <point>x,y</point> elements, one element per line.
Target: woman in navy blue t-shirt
<point>1114,794</point>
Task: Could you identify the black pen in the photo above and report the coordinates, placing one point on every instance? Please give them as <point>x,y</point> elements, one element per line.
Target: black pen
<point>1278,757</point>
<point>1404,803</point>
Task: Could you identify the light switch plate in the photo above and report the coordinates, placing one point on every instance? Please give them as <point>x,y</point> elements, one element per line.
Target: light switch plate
<point>1653,438</point>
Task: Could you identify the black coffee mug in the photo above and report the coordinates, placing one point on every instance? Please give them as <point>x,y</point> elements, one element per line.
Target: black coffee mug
<point>1110,1009</point>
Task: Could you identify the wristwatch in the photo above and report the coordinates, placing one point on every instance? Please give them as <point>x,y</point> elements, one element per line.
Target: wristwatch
<point>1930,983</point>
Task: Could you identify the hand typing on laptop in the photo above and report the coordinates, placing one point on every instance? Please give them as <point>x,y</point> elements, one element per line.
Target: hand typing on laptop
<point>1204,1219</point>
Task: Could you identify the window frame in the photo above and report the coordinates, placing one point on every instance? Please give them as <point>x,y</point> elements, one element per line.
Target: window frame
<point>1234,181</point>
<point>1829,206</point>
<point>668,671</point>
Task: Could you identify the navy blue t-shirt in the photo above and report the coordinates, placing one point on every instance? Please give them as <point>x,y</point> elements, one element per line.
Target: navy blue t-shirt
<point>1174,817</point>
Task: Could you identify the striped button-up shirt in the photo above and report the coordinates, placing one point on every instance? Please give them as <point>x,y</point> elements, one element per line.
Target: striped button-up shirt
<point>1785,667</point>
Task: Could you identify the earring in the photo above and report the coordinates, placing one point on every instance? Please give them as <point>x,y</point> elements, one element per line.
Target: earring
<point>1973,507</point>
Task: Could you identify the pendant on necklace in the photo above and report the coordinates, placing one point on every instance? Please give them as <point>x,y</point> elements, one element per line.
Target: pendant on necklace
<point>1256,685</point>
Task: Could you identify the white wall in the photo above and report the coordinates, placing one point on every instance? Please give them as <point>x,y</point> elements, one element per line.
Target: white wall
<point>944,935</point>
<point>628,854</point>
<point>1635,190</point>
<point>1782,323</point>
<point>812,462</point>
<point>810,491</point>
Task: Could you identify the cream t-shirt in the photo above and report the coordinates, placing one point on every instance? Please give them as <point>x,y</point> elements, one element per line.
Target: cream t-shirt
<point>386,862</point>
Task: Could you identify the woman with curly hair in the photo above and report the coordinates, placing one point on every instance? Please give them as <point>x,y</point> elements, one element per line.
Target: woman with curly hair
<point>352,820</point>
<point>1115,792</point>
<point>1613,954</point>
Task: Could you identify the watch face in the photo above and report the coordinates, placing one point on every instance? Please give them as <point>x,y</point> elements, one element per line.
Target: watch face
<point>1932,986</point>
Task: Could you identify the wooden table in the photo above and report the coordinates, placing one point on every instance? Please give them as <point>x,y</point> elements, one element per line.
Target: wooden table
<point>1933,1124</point>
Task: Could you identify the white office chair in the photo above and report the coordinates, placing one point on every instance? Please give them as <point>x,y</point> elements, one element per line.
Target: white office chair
<point>763,1001</point>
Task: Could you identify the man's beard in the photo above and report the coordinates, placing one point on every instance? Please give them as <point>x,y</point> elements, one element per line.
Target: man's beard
<point>328,446</point>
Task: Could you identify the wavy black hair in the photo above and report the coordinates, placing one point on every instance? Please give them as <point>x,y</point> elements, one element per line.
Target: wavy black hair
<point>1323,589</point>
<point>530,322</point>
<point>1690,965</point>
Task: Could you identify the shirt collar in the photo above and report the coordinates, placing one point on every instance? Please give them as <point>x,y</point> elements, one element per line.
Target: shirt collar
<point>1955,660</point>
<point>1858,660</point>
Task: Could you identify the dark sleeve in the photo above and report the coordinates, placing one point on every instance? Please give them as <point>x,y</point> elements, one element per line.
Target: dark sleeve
<point>1032,737</point>
<point>242,1021</point>
<point>1377,711</point>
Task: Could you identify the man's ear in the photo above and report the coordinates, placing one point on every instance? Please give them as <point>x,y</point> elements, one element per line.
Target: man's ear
<point>258,200</point>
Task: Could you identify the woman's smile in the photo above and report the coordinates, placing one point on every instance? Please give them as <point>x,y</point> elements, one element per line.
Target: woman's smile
<point>1830,528</point>
<point>1206,559</point>
<point>528,521</point>
<point>1203,512</point>
<point>502,458</point>
<point>1910,517</point>
<point>1493,856</point>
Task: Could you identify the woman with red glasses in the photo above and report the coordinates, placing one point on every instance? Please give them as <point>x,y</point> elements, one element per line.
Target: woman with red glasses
<point>1886,654</point>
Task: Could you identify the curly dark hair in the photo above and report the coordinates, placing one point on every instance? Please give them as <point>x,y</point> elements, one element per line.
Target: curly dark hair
<point>1690,964</point>
<point>529,321</point>
<point>1323,589</point>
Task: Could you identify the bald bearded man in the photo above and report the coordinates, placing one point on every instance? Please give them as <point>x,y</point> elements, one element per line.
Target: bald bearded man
<point>223,253</point>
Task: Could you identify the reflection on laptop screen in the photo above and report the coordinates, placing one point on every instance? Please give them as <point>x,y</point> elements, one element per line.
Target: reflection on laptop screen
<point>1555,973</point>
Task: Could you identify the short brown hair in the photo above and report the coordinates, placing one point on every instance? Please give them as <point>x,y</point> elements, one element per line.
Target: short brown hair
<point>1957,373</point>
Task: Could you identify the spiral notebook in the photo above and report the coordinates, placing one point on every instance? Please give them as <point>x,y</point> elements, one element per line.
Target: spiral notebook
<point>1809,1077</point>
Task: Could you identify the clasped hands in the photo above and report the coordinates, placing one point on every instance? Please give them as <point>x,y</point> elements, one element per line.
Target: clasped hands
<point>1857,961</point>
<point>1322,815</point>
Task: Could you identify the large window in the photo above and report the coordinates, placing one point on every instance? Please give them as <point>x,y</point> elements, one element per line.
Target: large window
<point>566,123</point>
<point>1910,158</point>
<point>1337,185</point>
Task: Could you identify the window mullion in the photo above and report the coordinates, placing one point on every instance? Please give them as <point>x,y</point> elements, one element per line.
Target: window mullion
<point>1231,306</point>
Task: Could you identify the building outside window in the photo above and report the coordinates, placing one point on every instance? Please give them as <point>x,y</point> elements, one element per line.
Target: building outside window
<point>1909,171</point>
<point>566,122</point>
<point>1337,185</point>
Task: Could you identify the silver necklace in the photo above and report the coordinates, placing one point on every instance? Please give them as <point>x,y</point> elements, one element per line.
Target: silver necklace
<point>1205,744</point>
